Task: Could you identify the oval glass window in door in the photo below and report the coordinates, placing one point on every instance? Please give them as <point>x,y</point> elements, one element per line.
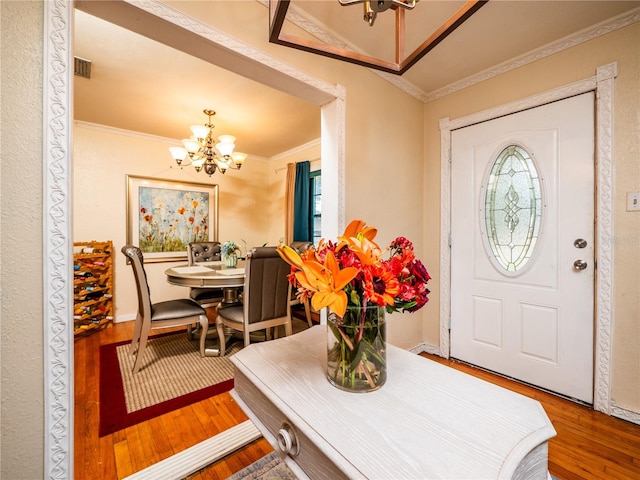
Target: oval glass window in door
<point>512,209</point>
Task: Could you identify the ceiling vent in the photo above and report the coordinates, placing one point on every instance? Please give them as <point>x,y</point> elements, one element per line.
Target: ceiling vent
<point>82,67</point>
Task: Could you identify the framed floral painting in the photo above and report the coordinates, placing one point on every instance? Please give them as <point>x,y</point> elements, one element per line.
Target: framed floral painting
<point>163,216</point>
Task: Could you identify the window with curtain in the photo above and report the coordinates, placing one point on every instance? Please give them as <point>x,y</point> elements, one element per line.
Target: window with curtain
<point>304,203</point>
<point>315,187</point>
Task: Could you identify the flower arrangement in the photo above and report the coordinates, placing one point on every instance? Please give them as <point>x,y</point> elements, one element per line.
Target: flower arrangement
<point>229,247</point>
<point>229,256</point>
<point>357,284</point>
<point>353,272</point>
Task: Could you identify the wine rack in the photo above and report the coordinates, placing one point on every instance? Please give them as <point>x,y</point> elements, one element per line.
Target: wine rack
<point>92,286</point>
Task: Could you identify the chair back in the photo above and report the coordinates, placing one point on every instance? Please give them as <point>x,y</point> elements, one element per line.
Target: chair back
<point>203,252</point>
<point>266,287</point>
<point>134,255</point>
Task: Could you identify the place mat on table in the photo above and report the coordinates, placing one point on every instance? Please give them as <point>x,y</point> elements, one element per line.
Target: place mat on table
<point>231,271</point>
<point>194,269</point>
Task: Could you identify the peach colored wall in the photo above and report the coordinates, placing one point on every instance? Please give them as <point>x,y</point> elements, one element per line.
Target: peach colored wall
<point>577,63</point>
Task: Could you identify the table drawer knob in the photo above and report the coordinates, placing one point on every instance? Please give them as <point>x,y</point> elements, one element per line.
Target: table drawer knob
<point>287,440</point>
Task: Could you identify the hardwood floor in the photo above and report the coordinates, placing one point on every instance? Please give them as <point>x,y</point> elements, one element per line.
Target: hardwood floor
<point>589,444</point>
<point>127,451</point>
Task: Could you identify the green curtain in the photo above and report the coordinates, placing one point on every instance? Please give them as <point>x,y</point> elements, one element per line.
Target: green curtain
<point>302,226</point>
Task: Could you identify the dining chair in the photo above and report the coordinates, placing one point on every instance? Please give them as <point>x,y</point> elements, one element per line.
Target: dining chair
<point>169,313</point>
<point>265,302</point>
<point>300,247</point>
<point>204,252</point>
<point>198,252</point>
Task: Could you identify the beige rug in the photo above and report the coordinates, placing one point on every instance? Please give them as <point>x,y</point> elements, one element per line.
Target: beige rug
<point>269,467</point>
<point>171,367</point>
<point>172,376</point>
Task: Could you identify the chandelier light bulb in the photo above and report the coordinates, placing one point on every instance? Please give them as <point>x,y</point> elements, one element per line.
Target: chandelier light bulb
<point>226,139</point>
<point>178,154</point>
<point>226,145</point>
<point>200,131</point>
<point>191,145</point>
<point>197,164</point>
<point>238,158</point>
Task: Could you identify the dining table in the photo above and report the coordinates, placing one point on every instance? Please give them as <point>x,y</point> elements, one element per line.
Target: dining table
<point>209,275</point>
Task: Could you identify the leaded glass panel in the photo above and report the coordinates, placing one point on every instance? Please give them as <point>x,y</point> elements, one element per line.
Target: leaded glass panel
<point>513,208</point>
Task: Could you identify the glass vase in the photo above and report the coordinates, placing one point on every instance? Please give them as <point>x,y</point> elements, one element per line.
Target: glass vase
<point>356,349</point>
<point>230,260</point>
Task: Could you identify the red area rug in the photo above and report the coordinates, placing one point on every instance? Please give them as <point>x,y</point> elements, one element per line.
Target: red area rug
<point>173,375</point>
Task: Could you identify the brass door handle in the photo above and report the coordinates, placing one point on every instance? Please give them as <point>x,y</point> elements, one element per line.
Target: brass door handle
<point>579,265</point>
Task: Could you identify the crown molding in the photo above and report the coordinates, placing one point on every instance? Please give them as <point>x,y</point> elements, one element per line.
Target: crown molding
<point>299,148</point>
<point>171,141</point>
<point>304,21</point>
<point>121,131</point>
<point>552,48</point>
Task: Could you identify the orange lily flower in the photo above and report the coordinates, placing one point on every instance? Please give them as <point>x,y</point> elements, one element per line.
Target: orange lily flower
<point>328,282</point>
<point>357,228</point>
<point>290,256</point>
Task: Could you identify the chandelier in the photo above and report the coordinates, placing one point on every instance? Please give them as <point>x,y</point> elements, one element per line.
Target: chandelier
<point>372,7</point>
<point>200,152</point>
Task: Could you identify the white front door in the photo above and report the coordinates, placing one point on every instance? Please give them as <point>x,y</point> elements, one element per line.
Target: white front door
<point>522,246</point>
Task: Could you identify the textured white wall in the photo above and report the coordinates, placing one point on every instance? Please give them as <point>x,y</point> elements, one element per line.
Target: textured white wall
<point>21,333</point>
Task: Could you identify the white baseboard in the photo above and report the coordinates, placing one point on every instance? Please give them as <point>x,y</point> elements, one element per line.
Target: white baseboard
<point>125,318</point>
<point>624,413</point>
<point>426,348</point>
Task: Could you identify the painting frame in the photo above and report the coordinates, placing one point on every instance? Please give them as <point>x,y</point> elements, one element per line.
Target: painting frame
<point>164,215</point>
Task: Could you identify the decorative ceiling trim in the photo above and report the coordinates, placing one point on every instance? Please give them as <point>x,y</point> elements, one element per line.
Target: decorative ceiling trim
<point>547,50</point>
<point>277,16</point>
<point>300,148</point>
<point>309,24</point>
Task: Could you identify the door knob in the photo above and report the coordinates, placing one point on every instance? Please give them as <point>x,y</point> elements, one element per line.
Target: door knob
<point>579,265</point>
<point>580,243</point>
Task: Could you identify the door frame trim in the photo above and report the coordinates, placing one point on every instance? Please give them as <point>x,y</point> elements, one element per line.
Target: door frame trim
<point>603,85</point>
<point>57,255</point>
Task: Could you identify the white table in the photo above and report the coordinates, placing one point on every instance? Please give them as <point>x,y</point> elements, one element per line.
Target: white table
<point>209,275</point>
<point>428,421</point>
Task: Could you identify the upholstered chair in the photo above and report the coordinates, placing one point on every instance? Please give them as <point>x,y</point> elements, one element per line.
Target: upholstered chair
<point>170,313</point>
<point>266,298</point>
<point>203,252</point>
<point>198,252</point>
